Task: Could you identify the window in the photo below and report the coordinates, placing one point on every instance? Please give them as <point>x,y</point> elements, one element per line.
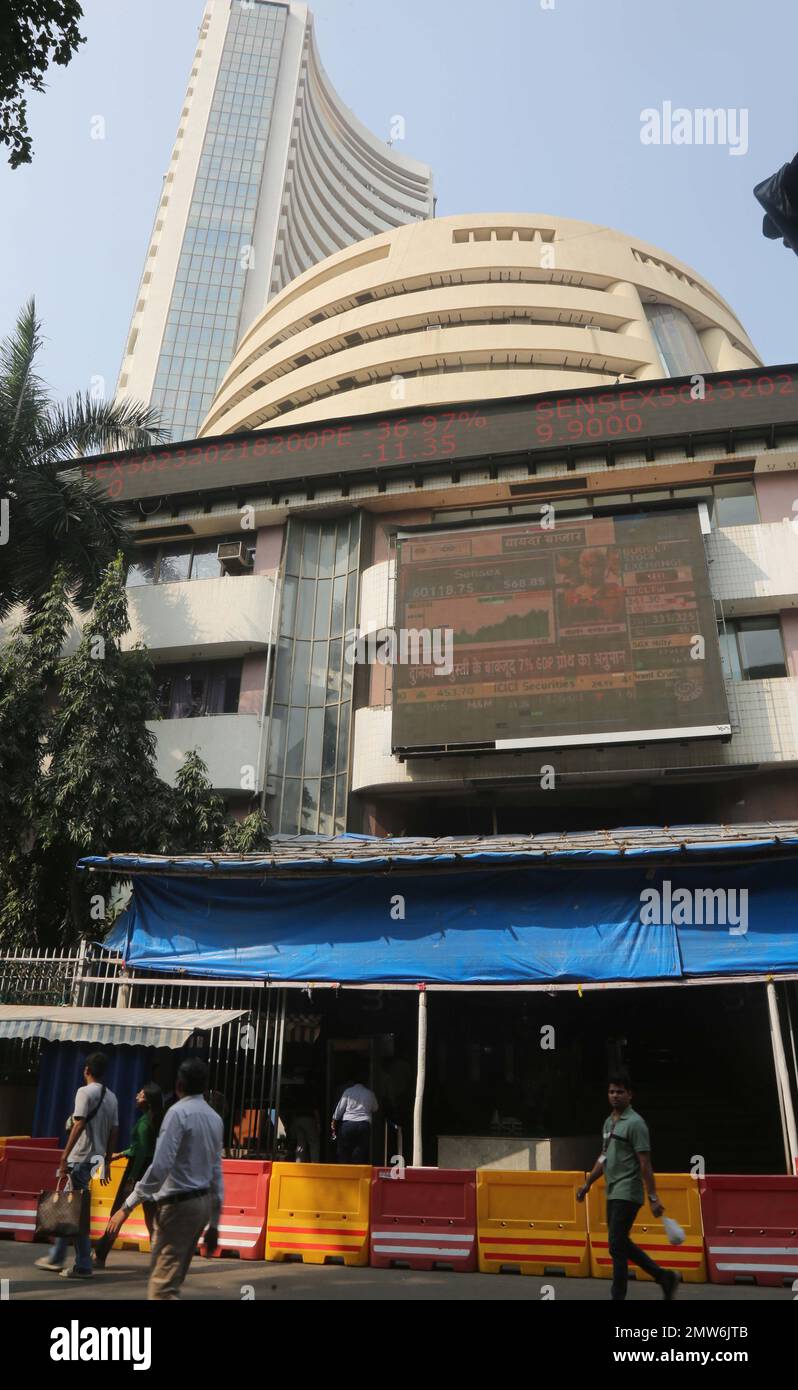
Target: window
<point>198,688</point>
<point>734,504</point>
<point>751,649</point>
<point>678,344</point>
<point>729,504</point>
<point>176,563</point>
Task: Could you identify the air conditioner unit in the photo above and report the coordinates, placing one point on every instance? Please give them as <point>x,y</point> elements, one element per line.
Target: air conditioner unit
<point>234,557</point>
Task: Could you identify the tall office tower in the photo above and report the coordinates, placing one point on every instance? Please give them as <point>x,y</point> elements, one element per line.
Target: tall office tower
<point>270,174</point>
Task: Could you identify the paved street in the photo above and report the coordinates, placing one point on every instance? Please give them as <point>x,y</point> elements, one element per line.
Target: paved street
<point>126,1278</point>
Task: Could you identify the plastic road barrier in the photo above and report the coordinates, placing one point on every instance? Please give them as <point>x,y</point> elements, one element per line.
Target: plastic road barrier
<point>24,1141</point>
<point>24,1174</point>
<point>679,1195</point>
<point>319,1212</point>
<point>134,1234</point>
<point>751,1229</point>
<point>424,1218</point>
<point>242,1223</point>
<point>531,1222</point>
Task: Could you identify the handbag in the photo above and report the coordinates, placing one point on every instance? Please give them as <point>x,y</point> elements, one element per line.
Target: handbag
<point>63,1213</point>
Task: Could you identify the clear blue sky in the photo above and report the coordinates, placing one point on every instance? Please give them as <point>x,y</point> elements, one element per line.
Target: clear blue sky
<point>517,108</point>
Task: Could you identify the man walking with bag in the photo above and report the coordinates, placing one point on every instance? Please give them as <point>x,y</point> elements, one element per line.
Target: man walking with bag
<point>92,1139</point>
<point>625,1164</point>
<point>185,1182</point>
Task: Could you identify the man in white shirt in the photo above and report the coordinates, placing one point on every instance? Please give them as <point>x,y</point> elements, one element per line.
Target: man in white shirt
<point>185,1182</point>
<point>354,1111</point>
<point>92,1139</point>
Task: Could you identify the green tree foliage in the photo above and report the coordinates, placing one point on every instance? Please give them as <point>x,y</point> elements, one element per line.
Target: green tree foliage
<point>77,770</point>
<point>33,34</point>
<point>55,518</point>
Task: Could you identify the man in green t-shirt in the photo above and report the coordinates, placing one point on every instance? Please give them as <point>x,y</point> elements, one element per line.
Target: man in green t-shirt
<point>625,1163</point>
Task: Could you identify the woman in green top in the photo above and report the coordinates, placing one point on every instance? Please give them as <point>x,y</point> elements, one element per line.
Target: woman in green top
<point>139,1157</point>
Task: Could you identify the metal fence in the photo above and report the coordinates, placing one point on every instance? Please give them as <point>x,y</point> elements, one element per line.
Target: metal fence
<point>244,1056</point>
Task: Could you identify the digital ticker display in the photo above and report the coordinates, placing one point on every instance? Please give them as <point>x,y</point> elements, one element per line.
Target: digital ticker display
<point>595,631</point>
<point>602,417</point>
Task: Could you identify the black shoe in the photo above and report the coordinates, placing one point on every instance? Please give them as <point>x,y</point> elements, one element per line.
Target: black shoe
<point>99,1260</point>
<point>670,1284</point>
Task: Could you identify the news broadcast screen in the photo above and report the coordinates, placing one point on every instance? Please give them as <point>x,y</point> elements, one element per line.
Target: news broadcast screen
<point>591,631</point>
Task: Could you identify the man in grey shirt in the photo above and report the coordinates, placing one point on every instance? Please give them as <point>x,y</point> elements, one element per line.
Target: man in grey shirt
<point>91,1142</point>
<point>185,1182</point>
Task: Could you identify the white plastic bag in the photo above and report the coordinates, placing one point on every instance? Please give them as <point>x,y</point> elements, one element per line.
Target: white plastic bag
<point>673,1231</point>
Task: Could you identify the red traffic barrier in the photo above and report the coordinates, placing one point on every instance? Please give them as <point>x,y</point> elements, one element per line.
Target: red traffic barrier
<point>49,1143</point>
<point>24,1173</point>
<point>424,1218</point>
<point>242,1223</point>
<point>750,1229</point>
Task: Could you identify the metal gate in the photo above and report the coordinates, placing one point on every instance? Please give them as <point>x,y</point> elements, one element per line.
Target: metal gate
<point>244,1057</point>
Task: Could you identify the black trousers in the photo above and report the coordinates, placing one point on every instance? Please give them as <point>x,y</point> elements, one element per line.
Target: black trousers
<point>620,1220</point>
<point>105,1243</point>
<point>354,1142</point>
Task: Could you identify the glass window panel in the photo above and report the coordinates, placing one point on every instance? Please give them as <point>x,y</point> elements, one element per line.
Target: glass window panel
<point>354,541</point>
<point>761,648</point>
<point>678,343</point>
<point>204,564</point>
<point>318,674</point>
<point>289,812</point>
<point>296,742</point>
<point>327,552</point>
<point>141,572</point>
<point>340,805</point>
<point>350,616</point>
<point>334,670</point>
<point>309,821</point>
<point>282,680</point>
<point>338,606</point>
<point>313,743</point>
<point>342,547</point>
<point>232,693</point>
<point>348,678</point>
<point>343,739</point>
<point>735,505</point>
<point>729,656</point>
<point>323,600</point>
<point>330,743</point>
<point>327,806</point>
<point>288,616</point>
<point>307,598</point>
<point>174,565</point>
<point>310,550</point>
<point>279,721</point>
<point>301,677</point>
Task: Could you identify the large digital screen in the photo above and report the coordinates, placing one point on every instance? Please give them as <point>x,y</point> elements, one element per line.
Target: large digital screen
<point>601,417</point>
<point>596,631</point>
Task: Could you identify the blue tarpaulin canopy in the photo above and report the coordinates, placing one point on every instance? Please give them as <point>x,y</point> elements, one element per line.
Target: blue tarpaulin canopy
<point>721,901</point>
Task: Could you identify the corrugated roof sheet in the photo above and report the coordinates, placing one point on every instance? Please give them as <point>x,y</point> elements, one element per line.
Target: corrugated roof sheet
<point>135,1027</point>
<point>302,852</point>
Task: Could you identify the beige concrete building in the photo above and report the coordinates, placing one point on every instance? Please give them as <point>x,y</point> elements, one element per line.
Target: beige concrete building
<point>472,308</point>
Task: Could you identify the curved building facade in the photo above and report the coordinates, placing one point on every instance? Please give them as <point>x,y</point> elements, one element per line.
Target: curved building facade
<point>473,308</point>
<point>270,173</point>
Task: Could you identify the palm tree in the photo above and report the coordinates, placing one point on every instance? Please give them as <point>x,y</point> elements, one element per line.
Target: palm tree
<point>55,517</point>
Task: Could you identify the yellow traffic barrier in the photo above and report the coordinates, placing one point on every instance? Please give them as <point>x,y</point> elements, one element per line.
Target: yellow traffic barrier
<point>134,1234</point>
<point>319,1212</point>
<point>531,1222</point>
<point>680,1197</point>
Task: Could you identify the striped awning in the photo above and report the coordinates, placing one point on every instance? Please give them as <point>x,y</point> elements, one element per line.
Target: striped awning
<point>133,1027</point>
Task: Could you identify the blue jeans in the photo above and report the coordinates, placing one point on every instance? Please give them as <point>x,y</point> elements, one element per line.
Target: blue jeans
<point>79,1176</point>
